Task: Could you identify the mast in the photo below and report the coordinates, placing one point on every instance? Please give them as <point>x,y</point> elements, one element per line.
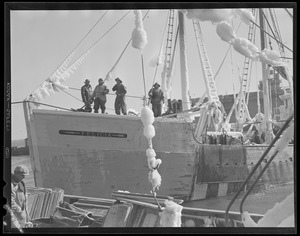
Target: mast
<point>186,103</point>
<point>266,99</point>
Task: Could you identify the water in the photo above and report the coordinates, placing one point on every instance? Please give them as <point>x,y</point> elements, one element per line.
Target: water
<point>23,160</point>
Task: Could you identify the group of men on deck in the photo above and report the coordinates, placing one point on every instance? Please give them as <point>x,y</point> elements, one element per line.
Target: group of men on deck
<point>98,97</point>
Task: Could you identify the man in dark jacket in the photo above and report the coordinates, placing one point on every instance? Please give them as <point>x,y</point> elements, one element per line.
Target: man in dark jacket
<point>86,94</point>
<point>19,198</point>
<point>120,98</point>
<point>256,138</point>
<point>157,98</point>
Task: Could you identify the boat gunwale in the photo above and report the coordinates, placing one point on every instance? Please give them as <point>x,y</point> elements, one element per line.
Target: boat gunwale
<point>191,212</point>
<point>108,116</point>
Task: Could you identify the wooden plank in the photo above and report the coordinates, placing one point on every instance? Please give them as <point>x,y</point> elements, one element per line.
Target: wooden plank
<point>117,215</point>
<point>90,205</point>
<point>144,197</point>
<point>150,220</point>
<point>139,216</point>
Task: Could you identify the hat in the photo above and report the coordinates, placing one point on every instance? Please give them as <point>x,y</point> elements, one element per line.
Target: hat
<point>86,81</point>
<point>100,80</point>
<point>156,84</point>
<point>118,79</point>
<point>21,169</point>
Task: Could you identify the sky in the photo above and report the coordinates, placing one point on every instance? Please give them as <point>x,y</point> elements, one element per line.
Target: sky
<point>41,41</point>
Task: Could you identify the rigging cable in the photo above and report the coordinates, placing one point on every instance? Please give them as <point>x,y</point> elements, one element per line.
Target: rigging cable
<point>70,94</point>
<point>160,51</point>
<point>272,37</point>
<point>109,93</point>
<point>258,99</point>
<point>248,86</point>
<point>105,33</point>
<point>117,62</point>
<point>85,52</point>
<point>145,92</point>
<point>291,16</point>
<point>39,103</point>
<point>242,187</point>
<point>78,44</point>
<point>276,25</point>
<point>266,19</point>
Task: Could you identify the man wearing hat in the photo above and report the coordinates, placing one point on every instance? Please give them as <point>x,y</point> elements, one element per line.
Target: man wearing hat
<point>157,98</point>
<point>120,98</point>
<point>99,94</point>
<point>86,94</point>
<point>18,196</point>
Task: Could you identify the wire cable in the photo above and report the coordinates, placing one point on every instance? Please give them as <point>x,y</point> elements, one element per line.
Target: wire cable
<point>77,45</point>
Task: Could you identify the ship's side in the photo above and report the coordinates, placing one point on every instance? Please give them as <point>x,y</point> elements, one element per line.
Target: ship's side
<point>93,155</point>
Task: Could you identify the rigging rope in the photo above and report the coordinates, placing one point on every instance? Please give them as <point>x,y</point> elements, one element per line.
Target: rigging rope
<point>70,94</point>
<point>43,104</point>
<point>119,58</point>
<point>144,79</point>
<point>105,33</point>
<point>258,100</point>
<point>86,51</point>
<point>77,45</point>
<point>272,37</point>
<point>234,96</point>
<point>275,22</point>
<point>250,75</point>
<point>109,93</point>
<point>291,16</point>
<point>270,27</point>
<point>161,45</point>
<point>117,62</point>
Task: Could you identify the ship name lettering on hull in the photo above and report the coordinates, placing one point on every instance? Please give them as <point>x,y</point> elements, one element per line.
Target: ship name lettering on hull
<point>93,134</point>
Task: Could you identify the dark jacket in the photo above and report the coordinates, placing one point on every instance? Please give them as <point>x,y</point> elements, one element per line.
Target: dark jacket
<point>86,93</point>
<point>120,89</point>
<point>156,95</point>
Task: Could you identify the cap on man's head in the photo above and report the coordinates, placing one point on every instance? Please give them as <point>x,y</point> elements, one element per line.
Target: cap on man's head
<point>156,84</point>
<point>86,81</point>
<point>100,80</point>
<point>118,79</point>
<point>21,169</point>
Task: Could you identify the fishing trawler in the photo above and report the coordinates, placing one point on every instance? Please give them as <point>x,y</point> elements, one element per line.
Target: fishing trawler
<point>93,155</point>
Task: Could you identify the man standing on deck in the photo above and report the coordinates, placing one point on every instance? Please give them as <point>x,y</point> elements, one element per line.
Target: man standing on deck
<point>157,98</point>
<point>120,98</point>
<point>19,198</point>
<point>99,94</point>
<point>256,138</point>
<point>86,94</point>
